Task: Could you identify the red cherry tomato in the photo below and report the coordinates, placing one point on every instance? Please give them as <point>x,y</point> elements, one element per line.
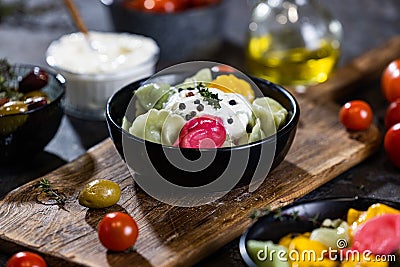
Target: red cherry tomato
<point>117,231</point>
<point>392,114</point>
<point>392,144</point>
<point>161,6</point>
<point>390,81</point>
<point>203,132</point>
<point>26,259</point>
<point>356,115</point>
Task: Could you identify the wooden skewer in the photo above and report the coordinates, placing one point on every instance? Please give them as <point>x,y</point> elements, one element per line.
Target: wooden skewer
<point>79,23</point>
<point>76,17</point>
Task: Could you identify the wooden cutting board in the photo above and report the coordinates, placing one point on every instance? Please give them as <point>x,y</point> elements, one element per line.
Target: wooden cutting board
<point>173,236</point>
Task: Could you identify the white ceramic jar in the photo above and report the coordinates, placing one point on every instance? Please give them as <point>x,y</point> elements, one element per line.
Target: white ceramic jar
<point>94,72</point>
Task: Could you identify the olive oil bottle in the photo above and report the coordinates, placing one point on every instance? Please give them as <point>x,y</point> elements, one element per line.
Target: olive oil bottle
<point>292,42</point>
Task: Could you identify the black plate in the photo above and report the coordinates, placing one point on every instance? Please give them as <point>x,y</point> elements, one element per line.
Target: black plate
<point>269,228</point>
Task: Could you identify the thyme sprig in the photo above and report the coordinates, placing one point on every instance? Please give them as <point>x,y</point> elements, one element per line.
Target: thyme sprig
<point>52,194</point>
<point>279,215</point>
<point>211,98</point>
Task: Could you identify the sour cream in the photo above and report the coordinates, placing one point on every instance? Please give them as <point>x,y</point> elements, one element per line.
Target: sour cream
<point>113,52</point>
<point>235,111</point>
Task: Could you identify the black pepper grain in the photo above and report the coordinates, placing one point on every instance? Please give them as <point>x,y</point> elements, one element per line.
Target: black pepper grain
<point>180,90</point>
<point>230,120</point>
<point>182,106</point>
<point>197,101</point>
<point>193,113</point>
<point>200,107</point>
<point>232,102</point>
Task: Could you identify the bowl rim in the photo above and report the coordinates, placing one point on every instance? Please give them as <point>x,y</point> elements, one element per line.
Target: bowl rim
<point>59,79</point>
<point>289,125</point>
<point>190,11</point>
<point>243,238</point>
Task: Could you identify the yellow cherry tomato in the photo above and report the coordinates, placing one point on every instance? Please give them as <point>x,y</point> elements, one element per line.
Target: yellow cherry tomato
<point>231,84</point>
<point>304,252</point>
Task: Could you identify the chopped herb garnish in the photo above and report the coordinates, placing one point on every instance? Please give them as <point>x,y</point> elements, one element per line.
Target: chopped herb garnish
<point>211,98</point>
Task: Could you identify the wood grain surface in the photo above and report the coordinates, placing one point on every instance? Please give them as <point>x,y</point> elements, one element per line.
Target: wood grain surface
<point>173,236</point>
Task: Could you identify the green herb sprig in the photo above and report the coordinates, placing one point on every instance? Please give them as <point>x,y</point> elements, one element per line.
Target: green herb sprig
<point>51,193</point>
<point>211,98</point>
<point>278,215</point>
<point>7,76</point>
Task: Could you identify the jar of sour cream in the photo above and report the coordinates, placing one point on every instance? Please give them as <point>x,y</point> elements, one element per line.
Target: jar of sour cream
<point>94,72</point>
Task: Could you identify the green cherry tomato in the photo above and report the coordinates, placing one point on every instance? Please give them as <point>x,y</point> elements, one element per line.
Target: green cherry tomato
<point>118,231</point>
<point>99,194</point>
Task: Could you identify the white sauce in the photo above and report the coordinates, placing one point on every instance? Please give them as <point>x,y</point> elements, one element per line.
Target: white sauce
<point>235,117</point>
<point>113,52</point>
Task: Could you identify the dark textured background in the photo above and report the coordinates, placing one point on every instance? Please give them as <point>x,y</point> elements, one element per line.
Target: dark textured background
<point>25,35</point>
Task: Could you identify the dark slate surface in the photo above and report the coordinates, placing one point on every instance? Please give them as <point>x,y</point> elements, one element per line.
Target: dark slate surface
<point>25,35</point>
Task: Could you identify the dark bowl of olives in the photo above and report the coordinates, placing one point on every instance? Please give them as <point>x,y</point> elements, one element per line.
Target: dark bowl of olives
<point>31,109</point>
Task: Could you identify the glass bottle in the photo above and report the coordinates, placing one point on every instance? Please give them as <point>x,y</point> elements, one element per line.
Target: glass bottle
<point>292,42</point>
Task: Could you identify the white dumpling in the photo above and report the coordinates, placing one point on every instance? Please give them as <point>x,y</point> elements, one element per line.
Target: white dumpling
<point>271,114</point>
<point>159,126</point>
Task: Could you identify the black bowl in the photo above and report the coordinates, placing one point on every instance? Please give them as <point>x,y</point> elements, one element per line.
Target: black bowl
<point>148,155</point>
<point>35,128</point>
<point>268,227</point>
<point>181,35</point>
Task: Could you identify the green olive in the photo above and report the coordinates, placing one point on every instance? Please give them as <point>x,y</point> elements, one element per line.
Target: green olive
<point>99,194</point>
<point>13,107</point>
<point>9,124</point>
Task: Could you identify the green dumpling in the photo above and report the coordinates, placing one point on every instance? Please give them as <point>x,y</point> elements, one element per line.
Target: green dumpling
<point>267,254</point>
<point>152,95</point>
<point>159,126</point>
<point>202,76</point>
<point>271,114</point>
